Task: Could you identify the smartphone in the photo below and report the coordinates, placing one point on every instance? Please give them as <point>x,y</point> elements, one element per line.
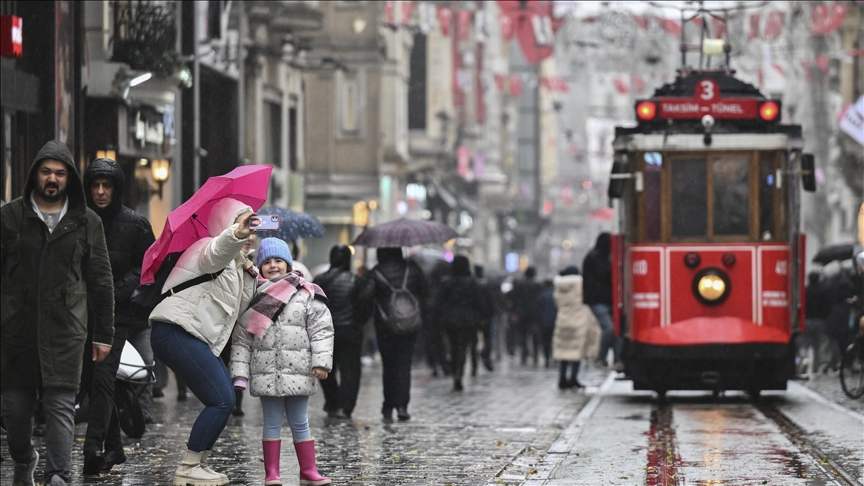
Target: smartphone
<point>265,222</point>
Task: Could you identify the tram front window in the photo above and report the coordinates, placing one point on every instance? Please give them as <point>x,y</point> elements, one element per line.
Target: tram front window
<point>730,190</point>
<point>689,198</point>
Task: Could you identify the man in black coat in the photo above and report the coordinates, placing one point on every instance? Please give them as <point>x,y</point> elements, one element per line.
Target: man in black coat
<point>128,235</point>
<point>396,347</point>
<point>342,289</point>
<point>56,274</point>
<point>597,294</point>
<point>524,298</point>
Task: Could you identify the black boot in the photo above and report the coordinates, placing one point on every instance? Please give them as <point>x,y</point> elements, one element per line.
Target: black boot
<point>457,385</point>
<point>387,414</point>
<point>402,414</point>
<point>238,404</point>
<point>93,463</point>
<point>114,457</point>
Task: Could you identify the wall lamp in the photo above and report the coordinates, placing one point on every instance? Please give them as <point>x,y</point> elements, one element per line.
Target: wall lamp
<point>160,171</point>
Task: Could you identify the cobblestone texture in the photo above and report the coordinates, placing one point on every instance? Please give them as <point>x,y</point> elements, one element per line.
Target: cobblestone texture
<point>508,416</point>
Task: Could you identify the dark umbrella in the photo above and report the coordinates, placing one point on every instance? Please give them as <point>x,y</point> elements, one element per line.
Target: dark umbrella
<point>293,225</point>
<point>405,232</point>
<point>832,253</point>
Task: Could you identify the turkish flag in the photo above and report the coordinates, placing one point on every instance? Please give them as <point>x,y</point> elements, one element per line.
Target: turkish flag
<point>515,85</point>
<point>754,26</point>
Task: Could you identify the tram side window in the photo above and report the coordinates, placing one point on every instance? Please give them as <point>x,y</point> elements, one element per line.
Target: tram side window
<point>651,195</point>
<point>767,186</point>
<point>731,194</point>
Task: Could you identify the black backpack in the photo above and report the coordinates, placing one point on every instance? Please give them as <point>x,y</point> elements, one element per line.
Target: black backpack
<point>146,297</point>
<point>402,315</point>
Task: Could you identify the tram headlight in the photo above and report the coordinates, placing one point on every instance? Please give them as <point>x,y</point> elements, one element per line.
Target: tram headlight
<point>711,286</point>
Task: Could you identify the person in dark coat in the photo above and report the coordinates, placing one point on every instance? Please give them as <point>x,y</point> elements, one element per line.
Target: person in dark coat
<point>487,324</point>
<point>460,307</point>
<point>396,347</point>
<point>128,235</point>
<point>547,312</point>
<point>597,275</point>
<point>56,272</point>
<point>342,289</point>
<point>523,299</point>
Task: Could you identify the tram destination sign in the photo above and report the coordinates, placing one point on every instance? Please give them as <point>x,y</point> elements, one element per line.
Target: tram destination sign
<point>684,109</point>
<point>707,100</point>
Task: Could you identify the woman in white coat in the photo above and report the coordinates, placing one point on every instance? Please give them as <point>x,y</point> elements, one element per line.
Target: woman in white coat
<point>191,327</point>
<point>282,346</point>
<point>577,332</point>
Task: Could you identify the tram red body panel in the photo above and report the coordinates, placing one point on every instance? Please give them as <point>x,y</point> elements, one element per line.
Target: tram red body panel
<point>713,330</point>
<point>664,310</point>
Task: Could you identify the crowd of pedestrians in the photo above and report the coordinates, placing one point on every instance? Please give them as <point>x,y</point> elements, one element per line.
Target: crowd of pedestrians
<point>231,315</point>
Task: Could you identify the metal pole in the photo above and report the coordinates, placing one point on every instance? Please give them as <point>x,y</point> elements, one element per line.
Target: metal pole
<point>241,81</point>
<point>196,103</point>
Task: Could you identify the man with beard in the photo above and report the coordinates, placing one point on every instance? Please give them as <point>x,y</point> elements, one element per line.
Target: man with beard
<point>54,267</point>
<point>128,235</point>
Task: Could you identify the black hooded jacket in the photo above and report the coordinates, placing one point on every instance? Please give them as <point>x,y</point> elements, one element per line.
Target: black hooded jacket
<point>461,302</point>
<point>342,289</point>
<point>52,283</point>
<point>597,272</point>
<point>128,235</point>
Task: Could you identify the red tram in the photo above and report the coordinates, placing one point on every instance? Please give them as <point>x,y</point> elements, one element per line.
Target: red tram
<point>708,266</point>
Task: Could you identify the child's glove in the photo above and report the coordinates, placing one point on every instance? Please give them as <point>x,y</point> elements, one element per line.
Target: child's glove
<point>240,383</point>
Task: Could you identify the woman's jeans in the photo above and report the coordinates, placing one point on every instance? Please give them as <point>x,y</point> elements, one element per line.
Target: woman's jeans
<point>204,374</point>
<point>608,339</point>
<point>292,408</point>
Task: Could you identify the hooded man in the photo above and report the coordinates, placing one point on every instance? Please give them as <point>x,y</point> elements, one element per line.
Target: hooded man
<point>128,235</point>
<point>342,288</point>
<point>56,281</point>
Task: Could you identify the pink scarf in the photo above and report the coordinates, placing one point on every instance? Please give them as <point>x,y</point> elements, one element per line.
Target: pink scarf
<point>270,302</point>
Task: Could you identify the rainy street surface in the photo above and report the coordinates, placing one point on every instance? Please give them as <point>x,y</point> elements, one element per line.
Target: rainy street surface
<point>513,427</point>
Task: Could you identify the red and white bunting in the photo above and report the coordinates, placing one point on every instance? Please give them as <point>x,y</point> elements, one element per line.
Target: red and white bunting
<point>407,10</point>
<point>825,19</point>
<point>516,85</point>
<point>445,17</point>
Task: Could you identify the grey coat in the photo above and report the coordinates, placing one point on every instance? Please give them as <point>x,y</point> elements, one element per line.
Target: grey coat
<point>280,363</point>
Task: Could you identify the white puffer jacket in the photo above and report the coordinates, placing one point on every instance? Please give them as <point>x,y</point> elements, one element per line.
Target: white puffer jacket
<point>279,364</point>
<point>209,310</point>
<point>577,333</point>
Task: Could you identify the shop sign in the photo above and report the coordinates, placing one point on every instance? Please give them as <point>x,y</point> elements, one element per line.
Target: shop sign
<point>11,36</point>
<point>148,131</point>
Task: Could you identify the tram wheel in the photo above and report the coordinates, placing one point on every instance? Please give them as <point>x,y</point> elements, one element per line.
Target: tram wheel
<point>661,394</point>
<point>754,393</point>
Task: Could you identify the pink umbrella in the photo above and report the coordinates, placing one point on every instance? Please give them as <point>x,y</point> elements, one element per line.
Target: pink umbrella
<point>187,223</point>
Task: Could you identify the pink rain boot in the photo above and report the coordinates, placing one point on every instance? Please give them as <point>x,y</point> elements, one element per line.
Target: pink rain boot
<point>309,475</point>
<point>271,462</point>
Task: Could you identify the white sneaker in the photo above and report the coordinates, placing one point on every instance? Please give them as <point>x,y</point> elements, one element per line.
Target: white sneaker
<point>191,473</point>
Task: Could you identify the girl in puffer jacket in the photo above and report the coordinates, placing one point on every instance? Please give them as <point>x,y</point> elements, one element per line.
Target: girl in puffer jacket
<point>282,346</point>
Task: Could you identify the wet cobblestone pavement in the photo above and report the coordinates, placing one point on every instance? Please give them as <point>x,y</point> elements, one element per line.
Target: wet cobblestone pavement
<point>509,415</point>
